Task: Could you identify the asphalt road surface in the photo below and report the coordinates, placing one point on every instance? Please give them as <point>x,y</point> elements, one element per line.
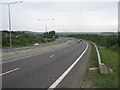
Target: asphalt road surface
<point>42,71</point>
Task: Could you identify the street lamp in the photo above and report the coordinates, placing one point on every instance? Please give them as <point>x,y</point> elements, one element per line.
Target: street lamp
<point>46,25</point>
<point>10,18</point>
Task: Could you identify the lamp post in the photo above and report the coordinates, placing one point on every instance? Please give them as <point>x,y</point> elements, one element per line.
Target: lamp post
<point>46,24</point>
<point>9,12</point>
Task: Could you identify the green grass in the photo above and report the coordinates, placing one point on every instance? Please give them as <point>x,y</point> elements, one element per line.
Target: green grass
<point>105,81</point>
<point>110,58</point>
<point>28,44</point>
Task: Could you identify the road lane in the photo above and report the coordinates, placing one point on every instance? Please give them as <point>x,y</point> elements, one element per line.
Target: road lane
<point>16,62</point>
<point>75,77</point>
<point>41,71</point>
<point>7,57</point>
<point>55,84</point>
<point>8,72</point>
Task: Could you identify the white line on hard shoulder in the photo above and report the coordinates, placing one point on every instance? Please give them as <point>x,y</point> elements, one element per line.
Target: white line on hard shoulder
<point>54,85</point>
<point>8,72</point>
<point>52,56</point>
<point>15,59</point>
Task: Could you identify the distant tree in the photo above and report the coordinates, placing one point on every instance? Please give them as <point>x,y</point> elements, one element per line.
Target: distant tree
<point>51,34</point>
<point>108,41</point>
<point>112,40</point>
<point>20,39</point>
<point>45,35</point>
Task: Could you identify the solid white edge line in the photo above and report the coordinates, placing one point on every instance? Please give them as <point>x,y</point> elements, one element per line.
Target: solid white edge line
<point>67,71</point>
<point>8,72</point>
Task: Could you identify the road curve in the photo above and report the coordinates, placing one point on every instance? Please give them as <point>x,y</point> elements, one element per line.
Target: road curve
<point>43,70</point>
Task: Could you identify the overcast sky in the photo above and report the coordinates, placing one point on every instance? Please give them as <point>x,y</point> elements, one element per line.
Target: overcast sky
<point>69,16</point>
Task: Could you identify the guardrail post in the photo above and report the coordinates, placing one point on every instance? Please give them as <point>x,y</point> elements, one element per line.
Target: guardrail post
<point>102,66</point>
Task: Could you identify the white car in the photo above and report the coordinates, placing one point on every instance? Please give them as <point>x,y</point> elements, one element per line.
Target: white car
<point>36,44</point>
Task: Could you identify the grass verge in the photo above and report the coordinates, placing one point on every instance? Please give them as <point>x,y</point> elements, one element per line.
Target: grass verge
<point>93,78</point>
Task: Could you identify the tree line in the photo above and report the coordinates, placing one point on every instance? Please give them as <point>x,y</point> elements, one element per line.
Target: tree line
<point>111,41</point>
<point>22,39</point>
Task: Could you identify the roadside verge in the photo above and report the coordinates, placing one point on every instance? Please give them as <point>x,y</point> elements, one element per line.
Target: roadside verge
<point>93,77</point>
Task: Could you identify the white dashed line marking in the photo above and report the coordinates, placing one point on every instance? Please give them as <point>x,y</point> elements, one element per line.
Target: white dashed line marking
<point>9,71</point>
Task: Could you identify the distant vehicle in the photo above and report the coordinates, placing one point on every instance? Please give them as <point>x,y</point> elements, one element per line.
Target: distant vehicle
<point>36,44</point>
<point>78,41</point>
<point>71,38</point>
